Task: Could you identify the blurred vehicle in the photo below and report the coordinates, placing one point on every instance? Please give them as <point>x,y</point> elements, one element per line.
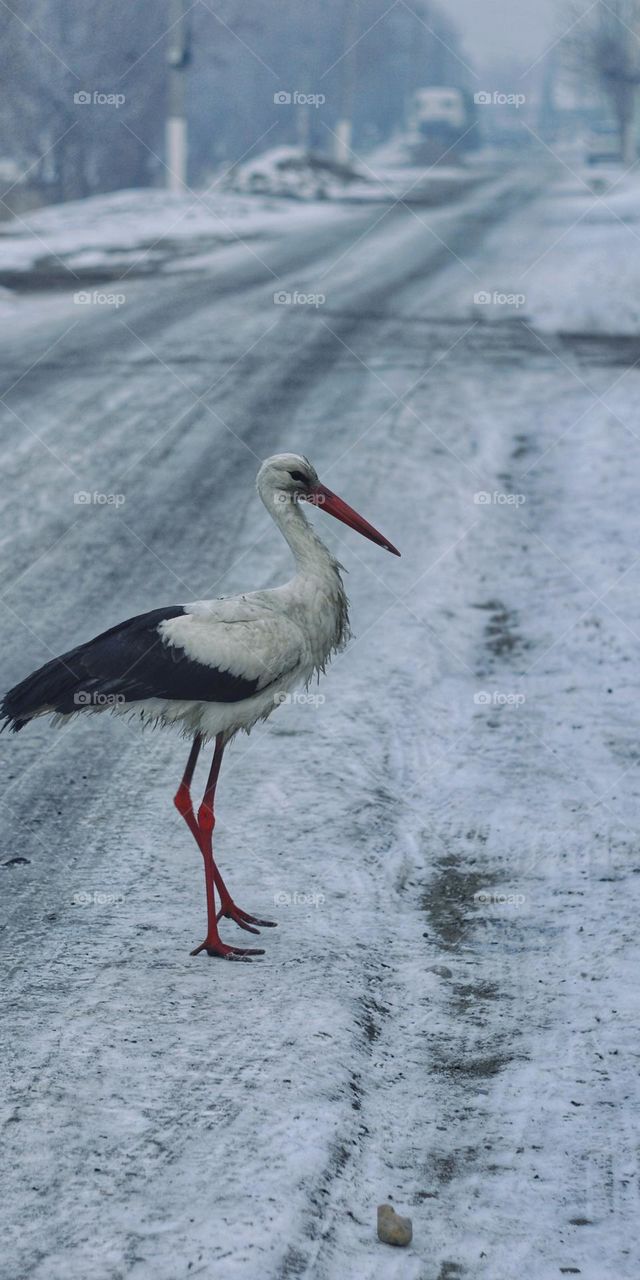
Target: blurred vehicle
<point>438,117</point>
<point>603,145</point>
<point>438,109</point>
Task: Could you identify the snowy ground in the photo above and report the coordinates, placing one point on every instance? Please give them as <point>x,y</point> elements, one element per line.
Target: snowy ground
<point>447,1016</point>
<point>585,277</point>
<point>134,231</point>
<point>144,232</point>
<point>387,172</point>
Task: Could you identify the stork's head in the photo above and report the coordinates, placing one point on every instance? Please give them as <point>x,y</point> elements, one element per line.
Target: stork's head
<point>289,477</point>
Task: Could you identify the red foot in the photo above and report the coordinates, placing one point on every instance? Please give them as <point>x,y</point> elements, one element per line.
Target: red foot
<point>216,947</point>
<point>242,918</point>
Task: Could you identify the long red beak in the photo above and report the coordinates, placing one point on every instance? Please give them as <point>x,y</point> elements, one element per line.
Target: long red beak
<point>320,496</point>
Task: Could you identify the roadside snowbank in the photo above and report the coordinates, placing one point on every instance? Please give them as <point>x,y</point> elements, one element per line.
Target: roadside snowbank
<point>588,277</point>
<point>294,172</point>
<point>137,229</point>
<point>145,231</point>
<point>386,173</point>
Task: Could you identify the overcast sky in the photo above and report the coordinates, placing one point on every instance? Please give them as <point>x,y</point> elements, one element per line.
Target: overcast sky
<point>492,28</point>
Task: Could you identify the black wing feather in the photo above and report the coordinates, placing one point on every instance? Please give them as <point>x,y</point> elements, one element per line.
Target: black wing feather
<point>129,662</point>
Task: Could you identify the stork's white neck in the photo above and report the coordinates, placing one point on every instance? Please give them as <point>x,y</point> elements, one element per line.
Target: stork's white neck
<point>315,597</point>
<point>309,552</point>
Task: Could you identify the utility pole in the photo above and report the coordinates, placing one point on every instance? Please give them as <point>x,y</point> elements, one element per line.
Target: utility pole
<point>178,58</point>
<point>634,129</point>
<point>344,125</point>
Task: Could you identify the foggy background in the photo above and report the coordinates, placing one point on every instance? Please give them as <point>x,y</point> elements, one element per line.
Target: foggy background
<point>521,28</point>
<point>219,69</point>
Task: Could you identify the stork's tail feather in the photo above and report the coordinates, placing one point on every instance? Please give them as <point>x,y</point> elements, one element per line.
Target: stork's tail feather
<point>50,688</point>
<point>94,676</point>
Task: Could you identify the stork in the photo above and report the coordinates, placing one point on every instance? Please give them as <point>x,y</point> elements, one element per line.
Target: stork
<point>214,667</point>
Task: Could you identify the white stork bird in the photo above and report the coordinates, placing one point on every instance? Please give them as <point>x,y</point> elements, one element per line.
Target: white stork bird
<point>216,666</point>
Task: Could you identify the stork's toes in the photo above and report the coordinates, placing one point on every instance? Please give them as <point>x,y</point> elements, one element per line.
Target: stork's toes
<point>264,924</point>
<point>242,918</point>
<point>215,947</point>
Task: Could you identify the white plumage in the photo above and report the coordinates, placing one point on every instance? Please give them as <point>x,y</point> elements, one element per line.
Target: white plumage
<point>281,637</point>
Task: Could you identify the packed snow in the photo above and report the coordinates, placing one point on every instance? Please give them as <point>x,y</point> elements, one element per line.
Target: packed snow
<point>149,231</point>
<point>141,230</point>
<point>447,1016</point>
<point>292,171</point>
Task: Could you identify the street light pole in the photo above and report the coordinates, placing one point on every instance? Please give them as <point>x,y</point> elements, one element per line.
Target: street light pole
<point>178,58</point>
<point>344,124</point>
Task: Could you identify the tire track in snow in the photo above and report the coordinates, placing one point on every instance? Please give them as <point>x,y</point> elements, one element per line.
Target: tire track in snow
<point>383,963</point>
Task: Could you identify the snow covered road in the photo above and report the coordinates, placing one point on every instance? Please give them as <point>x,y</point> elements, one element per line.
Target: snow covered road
<point>447,1016</point>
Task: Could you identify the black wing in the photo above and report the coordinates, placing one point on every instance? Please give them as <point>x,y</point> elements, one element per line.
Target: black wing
<point>128,663</point>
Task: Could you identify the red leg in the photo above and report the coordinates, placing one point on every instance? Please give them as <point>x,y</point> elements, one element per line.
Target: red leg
<point>206,824</point>
<point>202,831</point>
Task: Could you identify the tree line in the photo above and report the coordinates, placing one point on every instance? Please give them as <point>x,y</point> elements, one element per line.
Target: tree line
<point>84,94</point>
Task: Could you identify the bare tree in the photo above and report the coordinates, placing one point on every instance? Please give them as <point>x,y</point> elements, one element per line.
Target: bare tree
<point>62,63</point>
<point>247,58</point>
<point>603,45</point>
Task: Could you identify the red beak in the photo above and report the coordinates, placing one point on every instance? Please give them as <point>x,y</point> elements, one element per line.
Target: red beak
<point>320,496</point>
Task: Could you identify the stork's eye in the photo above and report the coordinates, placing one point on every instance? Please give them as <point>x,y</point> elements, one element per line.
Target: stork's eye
<point>299,476</point>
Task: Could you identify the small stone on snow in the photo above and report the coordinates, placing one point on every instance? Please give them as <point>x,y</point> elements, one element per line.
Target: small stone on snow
<point>392,1229</point>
